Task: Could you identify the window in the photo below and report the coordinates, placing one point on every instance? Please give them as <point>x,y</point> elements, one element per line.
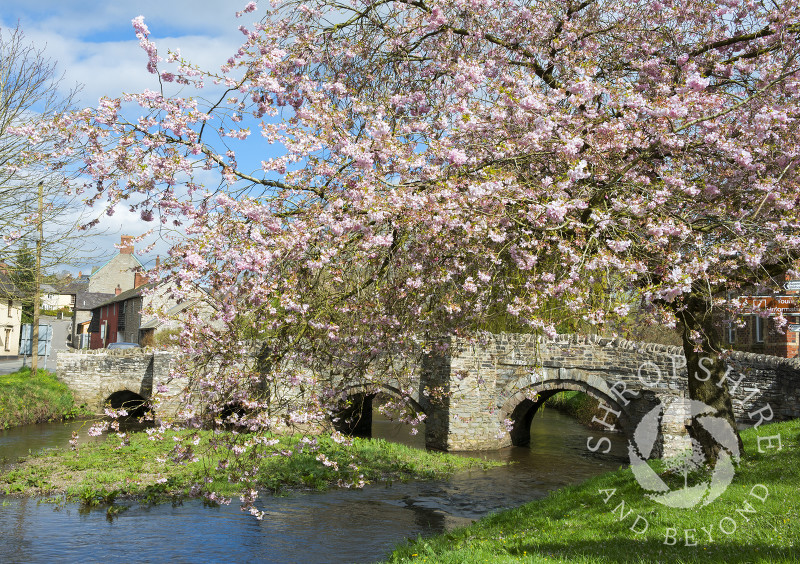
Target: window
<point>796,334</point>
<point>759,329</point>
<point>121,318</point>
<point>10,304</point>
<point>8,338</point>
<point>731,333</point>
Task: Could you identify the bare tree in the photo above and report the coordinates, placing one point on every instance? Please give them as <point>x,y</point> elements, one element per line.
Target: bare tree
<point>38,206</point>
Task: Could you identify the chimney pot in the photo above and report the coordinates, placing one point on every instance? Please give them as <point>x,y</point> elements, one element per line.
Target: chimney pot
<point>117,290</point>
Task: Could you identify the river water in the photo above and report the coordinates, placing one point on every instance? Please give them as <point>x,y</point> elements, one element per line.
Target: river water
<point>331,527</point>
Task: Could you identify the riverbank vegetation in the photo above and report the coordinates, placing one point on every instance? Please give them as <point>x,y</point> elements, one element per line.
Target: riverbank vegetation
<point>579,405</point>
<point>100,472</point>
<point>26,399</point>
<point>757,519</point>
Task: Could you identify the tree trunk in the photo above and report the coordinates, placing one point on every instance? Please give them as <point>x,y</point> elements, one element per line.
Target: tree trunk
<point>707,382</point>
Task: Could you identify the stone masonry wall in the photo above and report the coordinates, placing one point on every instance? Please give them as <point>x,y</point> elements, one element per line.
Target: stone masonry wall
<point>119,271</point>
<point>93,375</point>
<point>489,378</point>
<point>485,381</point>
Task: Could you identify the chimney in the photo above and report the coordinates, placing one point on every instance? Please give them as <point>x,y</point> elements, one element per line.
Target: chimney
<point>139,279</point>
<point>117,290</point>
<point>80,274</point>
<point>126,245</point>
<point>158,262</point>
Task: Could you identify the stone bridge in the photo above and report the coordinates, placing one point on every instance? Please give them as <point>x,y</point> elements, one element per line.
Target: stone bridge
<point>493,387</point>
<point>114,377</point>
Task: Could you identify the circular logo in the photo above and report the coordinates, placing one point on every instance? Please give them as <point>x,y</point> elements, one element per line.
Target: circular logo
<point>689,459</point>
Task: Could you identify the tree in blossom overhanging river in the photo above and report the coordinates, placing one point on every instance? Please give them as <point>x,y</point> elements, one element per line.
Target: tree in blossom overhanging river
<point>432,169</point>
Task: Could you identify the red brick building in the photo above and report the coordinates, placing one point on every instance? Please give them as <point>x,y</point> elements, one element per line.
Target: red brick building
<point>759,334</point>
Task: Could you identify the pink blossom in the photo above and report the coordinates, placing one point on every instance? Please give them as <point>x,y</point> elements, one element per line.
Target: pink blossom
<point>457,157</point>
<point>250,7</point>
<point>697,82</point>
<point>414,182</point>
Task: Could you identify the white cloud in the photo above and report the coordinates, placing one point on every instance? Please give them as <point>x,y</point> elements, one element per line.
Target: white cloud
<point>94,45</point>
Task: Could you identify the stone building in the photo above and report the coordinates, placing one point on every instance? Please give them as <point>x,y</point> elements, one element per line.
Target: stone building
<point>115,276</point>
<point>125,317</point>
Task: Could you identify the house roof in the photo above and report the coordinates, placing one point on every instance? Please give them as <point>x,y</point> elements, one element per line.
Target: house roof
<point>90,300</point>
<point>7,287</point>
<point>153,322</point>
<point>76,286</point>
<point>126,295</point>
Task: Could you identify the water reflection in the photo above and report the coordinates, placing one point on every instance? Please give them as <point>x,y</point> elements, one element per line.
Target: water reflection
<point>28,439</point>
<point>337,526</point>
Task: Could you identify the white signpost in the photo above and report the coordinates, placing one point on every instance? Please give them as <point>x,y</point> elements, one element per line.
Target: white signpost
<point>792,285</point>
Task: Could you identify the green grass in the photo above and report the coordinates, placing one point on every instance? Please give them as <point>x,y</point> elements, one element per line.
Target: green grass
<point>28,399</point>
<point>99,472</point>
<point>582,407</point>
<point>575,524</point>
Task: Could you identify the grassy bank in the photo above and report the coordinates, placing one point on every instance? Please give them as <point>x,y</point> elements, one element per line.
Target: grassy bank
<point>582,407</point>
<point>583,524</point>
<point>99,472</point>
<point>28,399</point>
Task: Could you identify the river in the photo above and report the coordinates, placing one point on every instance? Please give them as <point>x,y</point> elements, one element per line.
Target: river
<point>330,527</point>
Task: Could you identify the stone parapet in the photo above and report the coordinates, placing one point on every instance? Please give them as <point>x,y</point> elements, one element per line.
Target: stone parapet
<point>93,375</point>
<point>495,380</point>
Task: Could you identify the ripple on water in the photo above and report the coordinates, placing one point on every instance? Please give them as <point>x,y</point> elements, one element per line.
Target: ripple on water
<point>336,526</point>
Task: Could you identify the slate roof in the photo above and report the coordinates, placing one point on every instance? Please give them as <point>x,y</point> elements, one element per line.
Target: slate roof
<point>126,295</point>
<point>90,300</point>
<point>76,286</point>
<point>7,287</point>
<point>154,323</point>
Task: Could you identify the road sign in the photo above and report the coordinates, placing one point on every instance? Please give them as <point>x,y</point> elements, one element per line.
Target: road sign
<point>45,337</point>
<point>773,304</point>
<point>792,285</point>
<point>794,327</point>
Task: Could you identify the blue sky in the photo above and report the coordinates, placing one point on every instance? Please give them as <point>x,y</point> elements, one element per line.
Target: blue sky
<point>95,46</point>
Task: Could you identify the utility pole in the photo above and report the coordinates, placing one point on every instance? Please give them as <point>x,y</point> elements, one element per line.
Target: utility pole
<point>38,287</point>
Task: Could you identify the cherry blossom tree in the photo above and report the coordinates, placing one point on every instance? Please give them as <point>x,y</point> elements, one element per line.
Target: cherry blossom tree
<point>394,173</point>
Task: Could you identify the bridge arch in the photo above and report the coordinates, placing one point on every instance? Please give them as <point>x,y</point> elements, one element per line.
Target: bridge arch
<point>521,399</point>
<point>135,404</point>
<point>354,416</point>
